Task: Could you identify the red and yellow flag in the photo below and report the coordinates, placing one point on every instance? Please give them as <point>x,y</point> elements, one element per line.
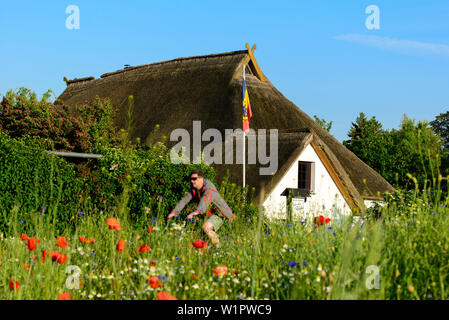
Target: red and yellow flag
<point>247,114</point>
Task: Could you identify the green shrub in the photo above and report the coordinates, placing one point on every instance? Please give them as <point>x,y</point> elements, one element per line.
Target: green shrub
<point>84,128</point>
<point>32,179</point>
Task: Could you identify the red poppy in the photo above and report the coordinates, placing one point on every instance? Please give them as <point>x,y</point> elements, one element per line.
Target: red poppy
<point>144,248</point>
<point>82,239</point>
<point>121,245</point>
<point>14,285</point>
<point>62,258</point>
<point>113,223</point>
<point>221,270</point>
<point>165,296</point>
<point>90,240</point>
<point>32,242</point>
<point>153,261</point>
<point>64,296</point>
<point>199,244</point>
<point>24,237</point>
<point>54,255</point>
<point>62,242</point>
<point>320,220</point>
<point>150,229</point>
<point>44,255</point>
<point>154,282</point>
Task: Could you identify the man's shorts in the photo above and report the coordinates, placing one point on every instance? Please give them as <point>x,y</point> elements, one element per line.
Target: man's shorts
<point>215,221</point>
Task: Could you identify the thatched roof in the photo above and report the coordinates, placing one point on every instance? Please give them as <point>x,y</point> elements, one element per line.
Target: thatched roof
<point>208,88</point>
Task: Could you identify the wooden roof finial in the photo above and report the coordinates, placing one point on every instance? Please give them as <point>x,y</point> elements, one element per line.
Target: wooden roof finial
<point>257,70</point>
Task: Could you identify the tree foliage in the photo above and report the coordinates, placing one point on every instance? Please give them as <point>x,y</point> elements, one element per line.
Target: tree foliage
<point>441,126</point>
<point>413,149</point>
<point>323,123</point>
<point>80,128</point>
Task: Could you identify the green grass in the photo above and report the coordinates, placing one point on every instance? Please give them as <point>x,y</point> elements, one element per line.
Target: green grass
<point>408,245</point>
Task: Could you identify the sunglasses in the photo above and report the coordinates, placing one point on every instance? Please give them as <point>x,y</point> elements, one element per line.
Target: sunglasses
<point>193,179</point>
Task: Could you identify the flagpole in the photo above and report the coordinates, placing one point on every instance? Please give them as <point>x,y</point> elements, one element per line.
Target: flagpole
<point>244,142</point>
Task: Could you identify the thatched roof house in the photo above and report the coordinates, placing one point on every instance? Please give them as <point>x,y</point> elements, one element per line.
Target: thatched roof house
<point>208,88</point>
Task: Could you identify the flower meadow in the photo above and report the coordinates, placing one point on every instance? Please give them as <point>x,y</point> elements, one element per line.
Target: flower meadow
<point>97,230</point>
<point>108,257</point>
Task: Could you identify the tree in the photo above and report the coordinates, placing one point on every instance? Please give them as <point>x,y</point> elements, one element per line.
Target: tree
<point>441,126</point>
<point>323,123</point>
<point>412,149</point>
<point>370,143</point>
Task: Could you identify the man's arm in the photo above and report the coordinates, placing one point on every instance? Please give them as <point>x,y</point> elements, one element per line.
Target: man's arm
<point>181,204</point>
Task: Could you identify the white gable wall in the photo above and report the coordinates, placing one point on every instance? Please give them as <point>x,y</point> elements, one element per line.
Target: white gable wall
<point>326,200</point>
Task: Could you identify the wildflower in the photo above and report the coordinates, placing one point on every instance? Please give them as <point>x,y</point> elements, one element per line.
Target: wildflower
<point>90,240</point>
<point>82,239</point>
<point>165,296</point>
<point>144,248</point>
<point>113,223</point>
<point>154,282</point>
<point>153,221</point>
<point>62,258</point>
<point>289,225</point>
<point>199,244</point>
<point>32,243</point>
<point>80,213</point>
<point>150,229</point>
<point>62,242</point>
<point>120,245</point>
<point>56,256</point>
<point>64,296</point>
<point>410,288</point>
<point>320,220</point>
<point>24,237</point>
<point>44,255</point>
<point>221,270</point>
<point>153,261</point>
<point>14,285</point>
<point>292,264</point>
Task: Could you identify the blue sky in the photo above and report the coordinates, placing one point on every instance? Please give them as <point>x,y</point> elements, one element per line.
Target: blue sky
<point>319,54</point>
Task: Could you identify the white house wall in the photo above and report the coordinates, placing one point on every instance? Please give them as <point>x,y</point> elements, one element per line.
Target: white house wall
<point>326,200</point>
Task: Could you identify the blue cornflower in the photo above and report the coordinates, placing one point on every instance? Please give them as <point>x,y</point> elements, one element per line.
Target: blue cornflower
<point>154,218</point>
<point>267,233</point>
<point>80,213</point>
<point>330,228</point>
<point>304,263</point>
<point>289,225</point>
<point>152,221</point>
<point>177,258</point>
<point>92,253</point>
<point>192,220</point>
<point>43,208</point>
<point>292,264</point>
<point>162,277</point>
<point>21,221</point>
<point>282,234</point>
<point>41,213</point>
<point>333,233</point>
<point>303,222</point>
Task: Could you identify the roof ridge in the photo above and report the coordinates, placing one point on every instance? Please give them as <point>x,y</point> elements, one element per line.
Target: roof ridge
<point>213,55</point>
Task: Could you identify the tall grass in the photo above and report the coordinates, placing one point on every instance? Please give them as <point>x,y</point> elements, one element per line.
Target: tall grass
<point>408,245</point>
